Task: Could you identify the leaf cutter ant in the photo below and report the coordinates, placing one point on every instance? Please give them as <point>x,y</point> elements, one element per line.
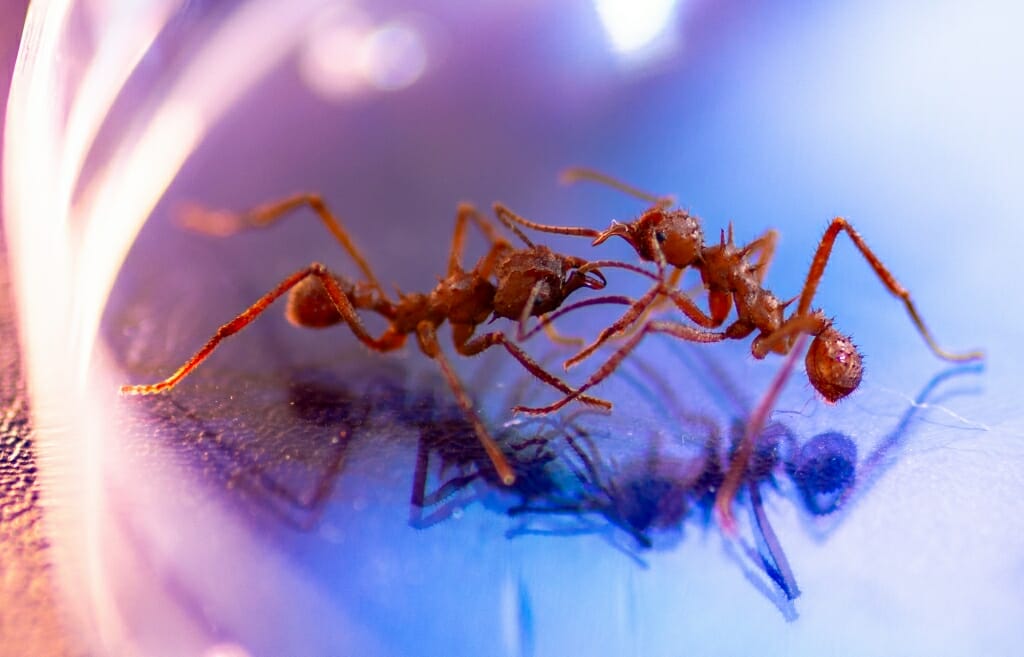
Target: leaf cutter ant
<point>530,281</point>
<point>732,276</point>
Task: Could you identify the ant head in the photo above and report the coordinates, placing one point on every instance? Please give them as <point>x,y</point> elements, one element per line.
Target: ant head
<point>676,233</point>
<point>834,366</point>
<point>542,279</point>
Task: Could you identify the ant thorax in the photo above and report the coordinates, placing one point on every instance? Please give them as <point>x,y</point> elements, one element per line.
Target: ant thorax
<point>730,278</point>
<point>464,298</point>
<point>758,307</point>
<point>412,309</point>
<point>717,266</point>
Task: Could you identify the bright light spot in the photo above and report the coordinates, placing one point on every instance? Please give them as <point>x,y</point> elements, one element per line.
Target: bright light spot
<point>636,25</point>
<point>346,55</point>
<point>394,56</point>
<point>330,62</point>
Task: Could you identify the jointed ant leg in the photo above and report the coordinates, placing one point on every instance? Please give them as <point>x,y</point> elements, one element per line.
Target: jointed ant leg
<point>681,331</point>
<point>821,257</point>
<point>461,335</point>
<point>467,212</point>
<point>661,302</point>
<point>755,424</point>
<point>765,246</point>
<point>387,342</point>
<point>576,174</point>
<point>227,223</point>
<point>781,340</point>
<point>633,316</point>
<point>627,319</point>
<point>546,320</point>
<point>549,327</point>
<point>427,336</point>
<point>558,338</point>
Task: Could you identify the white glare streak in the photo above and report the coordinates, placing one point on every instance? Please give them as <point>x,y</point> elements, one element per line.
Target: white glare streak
<point>634,25</point>
<point>213,80</point>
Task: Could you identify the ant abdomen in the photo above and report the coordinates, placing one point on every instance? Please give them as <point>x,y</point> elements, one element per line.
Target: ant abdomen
<point>310,306</point>
<point>834,365</point>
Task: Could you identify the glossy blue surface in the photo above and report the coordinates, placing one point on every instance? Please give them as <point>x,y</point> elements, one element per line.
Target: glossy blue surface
<point>263,533</point>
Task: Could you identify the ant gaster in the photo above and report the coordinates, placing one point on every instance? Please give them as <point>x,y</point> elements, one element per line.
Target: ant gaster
<point>674,237</point>
<point>530,281</point>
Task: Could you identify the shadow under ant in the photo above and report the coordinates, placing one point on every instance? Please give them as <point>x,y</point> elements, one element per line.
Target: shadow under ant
<point>283,464</point>
<point>285,459</point>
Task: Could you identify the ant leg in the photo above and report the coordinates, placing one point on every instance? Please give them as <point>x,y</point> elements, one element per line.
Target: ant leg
<point>461,335</point>
<point>628,318</point>
<point>468,212</point>
<point>818,269</point>
<point>426,334</point>
<point>389,341</point>
<point>508,217</point>
<point>765,246</point>
<point>576,174</point>
<point>558,338</point>
<point>681,331</point>
<point>548,327</point>
<point>223,223</point>
<point>634,315</point>
<point>552,316</point>
<point>779,339</point>
<point>671,284</point>
<point>756,423</point>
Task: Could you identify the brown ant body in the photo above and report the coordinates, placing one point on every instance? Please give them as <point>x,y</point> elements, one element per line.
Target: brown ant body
<point>530,281</point>
<point>732,278</point>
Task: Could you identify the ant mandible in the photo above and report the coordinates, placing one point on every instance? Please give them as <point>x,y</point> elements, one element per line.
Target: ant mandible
<point>674,237</point>
<point>530,281</point>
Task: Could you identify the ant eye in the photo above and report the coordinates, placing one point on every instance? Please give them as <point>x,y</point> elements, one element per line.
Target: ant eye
<point>660,236</point>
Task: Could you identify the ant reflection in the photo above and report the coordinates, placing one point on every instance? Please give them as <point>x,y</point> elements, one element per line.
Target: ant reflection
<point>283,460</point>
<point>463,471</point>
<point>650,498</point>
<point>573,474</point>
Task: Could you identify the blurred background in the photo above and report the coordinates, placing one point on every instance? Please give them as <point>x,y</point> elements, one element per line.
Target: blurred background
<point>298,495</point>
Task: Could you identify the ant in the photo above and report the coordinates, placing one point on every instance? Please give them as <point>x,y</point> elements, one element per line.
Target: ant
<point>530,281</point>
<point>732,277</point>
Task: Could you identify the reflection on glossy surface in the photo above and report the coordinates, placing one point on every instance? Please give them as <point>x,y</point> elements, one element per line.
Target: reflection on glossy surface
<point>297,495</point>
<point>371,482</point>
